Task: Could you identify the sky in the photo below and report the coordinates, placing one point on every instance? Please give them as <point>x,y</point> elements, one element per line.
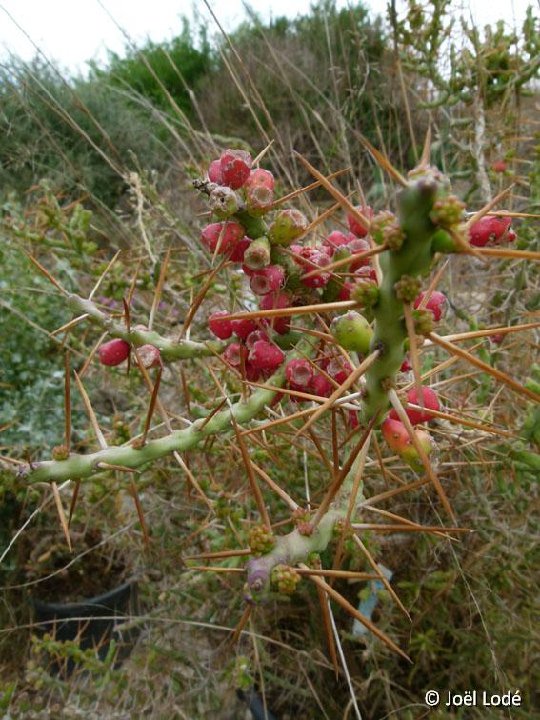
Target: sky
<point>72,32</point>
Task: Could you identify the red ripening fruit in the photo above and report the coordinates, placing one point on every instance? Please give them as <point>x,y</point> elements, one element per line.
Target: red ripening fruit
<point>243,327</point>
<point>321,385</point>
<point>367,272</point>
<point>299,373</point>
<point>235,168</point>
<point>214,172</point>
<point>269,279</point>
<point>497,338</point>
<point>310,258</point>
<point>499,166</point>
<point>265,355</point>
<point>113,352</point>
<point>430,402</point>
<point>406,365</point>
<point>252,373</point>
<point>337,239</point>
<point>345,291</point>
<point>260,178</point>
<point>352,420</point>
<point>233,354</point>
<point>355,226</point>
<point>237,254</point>
<point>436,303</point>
<point>490,229</point>
<point>357,247</point>
<point>149,356</point>
<point>396,435</point>
<point>225,234</point>
<point>254,336</point>
<point>272,301</point>
<point>339,369</point>
<point>223,329</point>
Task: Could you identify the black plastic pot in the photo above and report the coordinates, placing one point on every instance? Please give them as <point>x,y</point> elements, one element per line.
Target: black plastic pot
<point>94,622</point>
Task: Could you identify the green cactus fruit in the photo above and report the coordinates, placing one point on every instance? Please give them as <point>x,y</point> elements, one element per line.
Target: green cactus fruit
<point>257,255</point>
<point>410,453</point>
<point>287,227</point>
<point>352,331</point>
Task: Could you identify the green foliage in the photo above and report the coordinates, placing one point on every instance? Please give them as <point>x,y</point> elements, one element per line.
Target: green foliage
<point>159,70</point>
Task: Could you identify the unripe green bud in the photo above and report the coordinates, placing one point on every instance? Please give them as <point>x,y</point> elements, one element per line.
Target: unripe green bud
<point>385,230</point>
<point>423,321</point>
<point>286,578</point>
<point>261,540</point>
<point>287,227</point>
<point>257,255</point>
<point>407,288</point>
<point>447,211</point>
<point>366,294</point>
<point>352,332</point>
<point>60,452</point>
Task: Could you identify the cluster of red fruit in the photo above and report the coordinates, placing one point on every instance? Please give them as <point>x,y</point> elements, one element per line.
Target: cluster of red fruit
<point>116,351</point>
<point>282,271</point>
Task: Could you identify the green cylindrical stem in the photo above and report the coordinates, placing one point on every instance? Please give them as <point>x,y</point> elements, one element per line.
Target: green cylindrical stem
<point>295,547</point>
<point>170,349</point>
<point>412,259</point>
<point>84,466</point>
<point>255,227</point>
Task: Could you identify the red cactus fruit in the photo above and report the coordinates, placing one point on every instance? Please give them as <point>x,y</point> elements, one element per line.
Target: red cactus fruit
<point>238,251</point>
<point>490,229</point>
<point>259,189</point>
<point>345,291</point>
<point>260,178</point>
<point>254,336</point>
<point>252,373</point>
<point>269,279</point>
<point>497,338</point>
<point>430,402</point>
<point>339,369</point>
<point>243,327</point>
<point>299,373</point>
<point>436,303</point>
<point>233,354</point>
<point>366,272</point>
<point>321,385</point>
<point>235,168</point>
<point>149,356</point>
<point>272,301</point>
<point>396,435</point>
<point>223,329</point>
<point>214,172</point>
<point>337,239</point>
<point>310,258</point>
<point>406,365</point>
<point>355,226</point>
<point>225,235</point>
<point>357,246</point>
<point>265,355</point>
<point>499,166</point>
<point>352,419</point>
<point>113,352</point>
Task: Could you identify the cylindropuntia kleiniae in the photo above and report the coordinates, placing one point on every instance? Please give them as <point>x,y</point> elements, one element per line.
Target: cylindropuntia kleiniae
<point>370,287</point>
